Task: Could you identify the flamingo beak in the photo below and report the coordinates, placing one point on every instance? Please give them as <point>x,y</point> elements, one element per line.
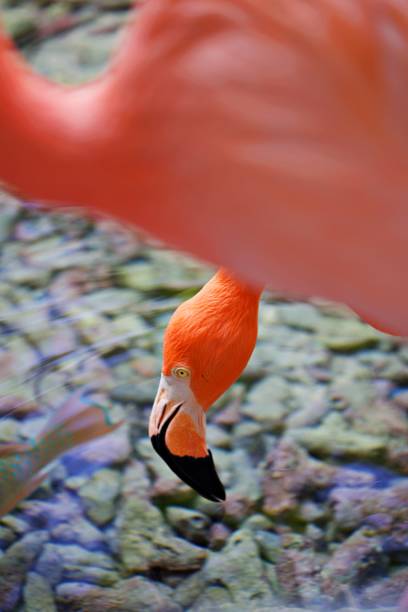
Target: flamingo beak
<point>177,433</point>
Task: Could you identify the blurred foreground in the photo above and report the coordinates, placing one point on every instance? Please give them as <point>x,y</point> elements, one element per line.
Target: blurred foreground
<point>311,443</point>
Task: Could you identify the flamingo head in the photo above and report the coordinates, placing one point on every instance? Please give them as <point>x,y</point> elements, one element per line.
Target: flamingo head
<point>206,346</point>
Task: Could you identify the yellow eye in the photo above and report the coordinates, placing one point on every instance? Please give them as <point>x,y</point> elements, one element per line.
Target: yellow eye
<point>181,372</point>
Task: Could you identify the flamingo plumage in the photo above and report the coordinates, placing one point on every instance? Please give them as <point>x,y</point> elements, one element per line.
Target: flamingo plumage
<point>267,137</point>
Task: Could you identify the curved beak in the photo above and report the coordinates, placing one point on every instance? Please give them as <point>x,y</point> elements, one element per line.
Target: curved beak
<point>177,433</point>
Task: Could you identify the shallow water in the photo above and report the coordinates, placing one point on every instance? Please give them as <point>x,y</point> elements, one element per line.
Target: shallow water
<point>311,442</point>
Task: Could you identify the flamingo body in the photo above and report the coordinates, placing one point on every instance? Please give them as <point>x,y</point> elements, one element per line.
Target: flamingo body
<point>276,132</point>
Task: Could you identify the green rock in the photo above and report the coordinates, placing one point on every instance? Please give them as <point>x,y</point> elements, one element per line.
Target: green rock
<point>192,524</point>
<point>146,542</point>
<point>38,595</point>
<point>99,495</point>
<point>109,301</point>
<point>299,316</point>
<point>267,402</point>
<point>238,571</point>
<point>270,545</point>
<point>189,590</point>
<point>214,598</point>
<point>335,437</point>
<point>165,270</point>
<point>244,479</point>
<point>77,563</point>
<point>347,335</point>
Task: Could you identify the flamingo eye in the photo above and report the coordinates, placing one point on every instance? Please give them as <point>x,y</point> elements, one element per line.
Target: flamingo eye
<point>181,372</point>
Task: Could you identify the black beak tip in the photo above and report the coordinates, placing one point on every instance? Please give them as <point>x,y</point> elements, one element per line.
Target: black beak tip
<point>198,472</point>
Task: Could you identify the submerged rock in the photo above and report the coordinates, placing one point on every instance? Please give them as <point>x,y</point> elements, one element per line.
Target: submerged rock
<point>15,564</point>
<point>358,556</point>
<point>137,594</point>
<point>146,542</point>
<point>354,507</point>
<point>235,576</point>
<point>386,591</point>
<point>347,334</point>
<point>335,437</point>
<point>38,595</point>
<point>291,474</point>
<point>99,495</point>
<point>72,562</point>
<point>267,402</point>
<point>192,524</point>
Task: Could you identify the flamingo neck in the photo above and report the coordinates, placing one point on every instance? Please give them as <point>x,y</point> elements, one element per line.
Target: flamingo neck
<point>227,289</point>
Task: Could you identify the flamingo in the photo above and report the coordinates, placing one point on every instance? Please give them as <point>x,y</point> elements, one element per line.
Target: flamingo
<point>267,137</point>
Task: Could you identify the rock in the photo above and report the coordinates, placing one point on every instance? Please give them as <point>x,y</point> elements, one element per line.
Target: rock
<point>400,397</point>
<point>243,478</point>
<point>7,537</point>
<point>109,301</point>
<point>358,556</point>
<point>9,430</point>
<point>311,410</point>
<point>236,508</point>
<point>290,474</point>
<point>347,335</point>
<point>127,327</point>
<point>62,508</point>
<point>352,507</point>
<point>238,571</point>
<point>350,392</point>
<point>16,523</point>
<point>269,544</point>
<point>218,535</point>
<point>214,598</point>
<point>191,524</point>
<point>136,481</point>
<point>267,402</point>
<point>50,565</point>
<point>217,436</point>
<point>298,573</point>
<point>137,594</point>
<point>335,438</point>
<point>299,316</point>
<point>14,565</point>
<point>386,591</point>
<point>38,595</point>
<point>76,563</point>
<point>99,495</point>
<point>137,393</point>
<point>165,270</point>
<point>189,590</point>
<point>146,542</point>
<point>80,532</point>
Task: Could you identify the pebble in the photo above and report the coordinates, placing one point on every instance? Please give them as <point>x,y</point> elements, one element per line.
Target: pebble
<point>99,495</point>
<point>146,542</point>
<point>38,595</point>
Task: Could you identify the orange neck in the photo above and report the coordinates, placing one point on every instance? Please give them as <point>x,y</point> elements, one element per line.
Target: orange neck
<point>230,293</point>
<point>213,334</point>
